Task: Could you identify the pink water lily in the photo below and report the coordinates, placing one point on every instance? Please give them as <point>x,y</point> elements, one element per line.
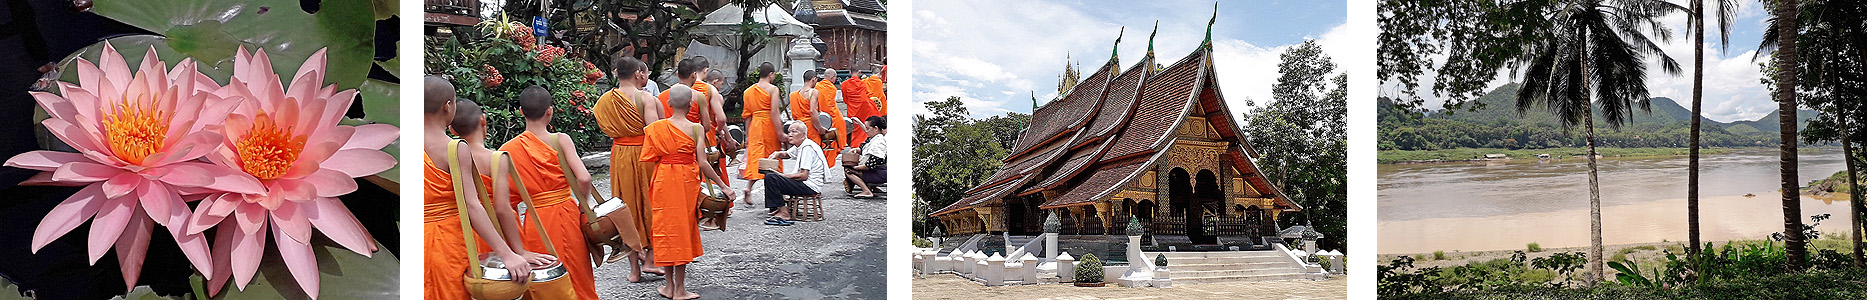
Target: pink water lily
<point>139,137</point>
<point>290,140</point>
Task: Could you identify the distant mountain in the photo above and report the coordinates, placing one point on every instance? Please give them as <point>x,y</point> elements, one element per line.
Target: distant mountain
<point>1493,121</point>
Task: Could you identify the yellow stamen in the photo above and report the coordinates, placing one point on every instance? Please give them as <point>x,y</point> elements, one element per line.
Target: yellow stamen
<point>267,151</point>
<point>136,129</point>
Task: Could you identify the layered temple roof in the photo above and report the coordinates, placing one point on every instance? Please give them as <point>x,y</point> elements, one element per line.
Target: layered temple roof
<point>1112,127</point>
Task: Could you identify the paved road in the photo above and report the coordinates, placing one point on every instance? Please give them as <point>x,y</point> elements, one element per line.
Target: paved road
<point>949,286</point>
<point>841,257</point>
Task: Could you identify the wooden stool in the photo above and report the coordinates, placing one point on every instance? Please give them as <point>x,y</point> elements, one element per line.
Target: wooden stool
<point>806,208</point>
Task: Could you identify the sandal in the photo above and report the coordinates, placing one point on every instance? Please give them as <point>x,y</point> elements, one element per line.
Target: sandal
<point>775,221</point>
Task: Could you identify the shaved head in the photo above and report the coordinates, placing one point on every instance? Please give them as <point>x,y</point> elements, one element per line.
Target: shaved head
<point>466,118</point>
<point>681,98</point>
<point>534,101</point>
<point>436,92</point>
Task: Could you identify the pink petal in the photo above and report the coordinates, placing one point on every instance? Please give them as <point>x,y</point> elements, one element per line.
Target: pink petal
<point>290,220</point>
<point>310,160</point>
<point>89,77</point>
<point>300,261</point>
<point>45,179</point>
<point>251,217</point>
<point>56,106</point>
<point>373,136</point>
<point>194,246</point>
<point>78,138</point>
<point>336,135</point>
<point>360,162</point>
<point>163,205</point>
<point>246,252</point>
<point>294,190</point>
<point>132,246</point>
<point>331,183</point>
<point>211,176</point>
<point>223,258</point>
<point>44,160</point>
<point>108,225</point>
<point>67,215</point>
<point>335,107</point>
<point>121,184</point>
<point>188,148</point>
<point>336,222</point>
<point>115,69</point>
<point>216,113</point>
<point>88,172</point>
<point>204,215</point>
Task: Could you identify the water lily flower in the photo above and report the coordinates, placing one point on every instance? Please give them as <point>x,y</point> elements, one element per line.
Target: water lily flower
<point>139,136</point>
<point>290,140</point>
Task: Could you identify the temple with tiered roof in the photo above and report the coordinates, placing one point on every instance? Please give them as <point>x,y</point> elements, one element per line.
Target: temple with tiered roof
<point>1153,143</point>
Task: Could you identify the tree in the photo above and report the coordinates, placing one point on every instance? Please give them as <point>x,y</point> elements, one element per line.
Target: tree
<point>1727,11</point>
<point>1783,37</point>
<point>952,154</point>
<point>1303,132</point>
<point>1831,72</point>
<point>753,37</point>
<point>1600,45</point>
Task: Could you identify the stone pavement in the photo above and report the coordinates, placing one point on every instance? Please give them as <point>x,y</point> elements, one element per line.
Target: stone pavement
<point>841,257</point>
<point>949,286</point>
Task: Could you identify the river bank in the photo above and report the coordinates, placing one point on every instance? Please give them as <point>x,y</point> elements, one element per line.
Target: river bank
<point>1478,154</point>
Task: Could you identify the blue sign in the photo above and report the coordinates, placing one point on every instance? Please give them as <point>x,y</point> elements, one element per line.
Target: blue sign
<point>538,25</point>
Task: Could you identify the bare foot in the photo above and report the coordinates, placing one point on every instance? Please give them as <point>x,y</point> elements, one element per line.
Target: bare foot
<point>664,292</point>
<point>655,270</point>
<point>686,295</point>
<point>635,276</point>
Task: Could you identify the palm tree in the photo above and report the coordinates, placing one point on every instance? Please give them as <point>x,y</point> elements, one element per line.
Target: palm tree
<point>1727,11</point>
<point>1601,45</point>
<point>1784,39</point>
<point>1833,53</point>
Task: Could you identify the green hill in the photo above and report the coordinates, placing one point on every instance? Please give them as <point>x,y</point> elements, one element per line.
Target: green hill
<point>1493,121</point>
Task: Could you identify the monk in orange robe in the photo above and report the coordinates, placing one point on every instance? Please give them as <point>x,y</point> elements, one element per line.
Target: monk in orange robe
<point>675,190</point>
<point>878,89</point>
<point>470,124</point>
<point>535,157</point>
<point>826,102</point>
<point>622,113</point>
<point>803,106</point>
<point>692,73</point>
<point>445,258</point>
<point>856,98</point>
<point>761,125</point>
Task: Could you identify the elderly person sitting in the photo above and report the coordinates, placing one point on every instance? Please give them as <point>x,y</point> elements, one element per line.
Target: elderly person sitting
<point>804,173</point>
<point>873,167</point>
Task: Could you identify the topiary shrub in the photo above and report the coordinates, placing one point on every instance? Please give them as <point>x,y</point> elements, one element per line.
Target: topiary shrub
<point>1160,260</point>
<point>1089,269</point>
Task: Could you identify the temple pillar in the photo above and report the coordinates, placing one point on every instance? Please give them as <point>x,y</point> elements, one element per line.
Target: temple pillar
<point>1102,212</point>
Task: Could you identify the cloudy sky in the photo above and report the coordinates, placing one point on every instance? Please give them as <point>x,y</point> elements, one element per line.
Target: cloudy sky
<point>1732,89</point>
<point>995,54</point>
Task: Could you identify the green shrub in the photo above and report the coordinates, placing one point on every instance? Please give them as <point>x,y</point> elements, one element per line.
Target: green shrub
<point>1535,248</point>
<point>1089,269</point>
<point>920,242</point>
<point>1439,255</point>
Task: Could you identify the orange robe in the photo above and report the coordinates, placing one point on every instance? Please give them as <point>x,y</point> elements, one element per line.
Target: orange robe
<point>800,111</point>
<point>537,164</point>
<point>673,197</point>
<point>856,97</point>
<point>826,101</point>
<point>761,137</point>
<point>878,89</point>
<point>713,132</point>
<point>444,260</point>
<point>628,174</point>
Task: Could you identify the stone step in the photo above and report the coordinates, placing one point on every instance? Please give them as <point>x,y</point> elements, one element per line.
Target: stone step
<point>1227,260</point>
<point>1177,274</point>
<point>1219,254</point>
<point>1178,280</point>
<point>1231,266</point>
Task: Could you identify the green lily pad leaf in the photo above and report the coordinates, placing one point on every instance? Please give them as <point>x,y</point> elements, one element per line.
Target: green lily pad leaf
<point>384,8</point>
<point>341,274</point>
<point>393,65</point>
<point>143,292</point>
<point>287,33</point>
<point>381,102</point>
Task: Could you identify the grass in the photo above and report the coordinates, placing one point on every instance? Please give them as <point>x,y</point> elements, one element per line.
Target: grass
<point>1810,285</point>
<point>1399,156</point>
<point>1439,255</point>
<point>1535,248</point>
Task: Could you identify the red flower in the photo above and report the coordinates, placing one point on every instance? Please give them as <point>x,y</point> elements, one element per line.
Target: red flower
<point>549,53</point>
<point>492,77</point>
<point>589,78</point>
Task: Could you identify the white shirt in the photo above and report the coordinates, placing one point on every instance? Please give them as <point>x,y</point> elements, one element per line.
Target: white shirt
<point>808,156</point>
<point>876,146</point>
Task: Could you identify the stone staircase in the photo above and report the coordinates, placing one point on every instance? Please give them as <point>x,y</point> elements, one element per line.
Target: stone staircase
<point>1235,266</point>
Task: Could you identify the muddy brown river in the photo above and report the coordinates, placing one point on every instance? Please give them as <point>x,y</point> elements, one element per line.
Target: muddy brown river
<point>1501,205</point>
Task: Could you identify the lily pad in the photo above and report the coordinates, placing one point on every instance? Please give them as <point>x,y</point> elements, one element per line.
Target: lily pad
<point>205,29</point>
<point>342,275</point>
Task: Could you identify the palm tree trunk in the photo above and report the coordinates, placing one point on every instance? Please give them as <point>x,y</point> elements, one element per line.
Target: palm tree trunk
<point>1698,96</point>
<point>1854,187</point>
<point>1595,269</point>
<point>1786,100</point>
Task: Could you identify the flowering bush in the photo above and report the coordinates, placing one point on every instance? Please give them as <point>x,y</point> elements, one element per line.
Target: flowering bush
<point>505,59</point>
